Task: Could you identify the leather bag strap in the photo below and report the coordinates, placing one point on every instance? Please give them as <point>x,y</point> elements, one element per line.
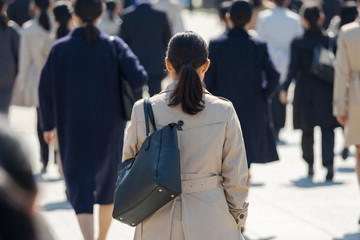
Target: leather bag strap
<point>149,114</point>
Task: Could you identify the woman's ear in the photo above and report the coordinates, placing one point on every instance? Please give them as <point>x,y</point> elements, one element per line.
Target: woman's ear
<point>168,65</point>
<point>206,66</point>
<point>321,19</point>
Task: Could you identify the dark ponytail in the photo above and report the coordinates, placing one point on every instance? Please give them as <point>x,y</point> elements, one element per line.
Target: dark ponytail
<point>3,18</point>
<point>311,12</point>
<point>44,19</point>
<point>63,14</point>
<point>187,52</point>
<point>89,11</point>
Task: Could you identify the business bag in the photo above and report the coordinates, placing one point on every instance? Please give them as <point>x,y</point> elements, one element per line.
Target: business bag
<point>152,178</point>
<point>323,62</point>
<point>127,94</point>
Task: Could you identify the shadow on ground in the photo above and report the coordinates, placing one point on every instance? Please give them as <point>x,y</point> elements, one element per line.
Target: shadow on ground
<point>41,179</point>
<point>308,183</point>
<point>266,238</point>
<point>350,236</point>
<point>257,184</point>
<point>65,205</point>
<point>345,170</point>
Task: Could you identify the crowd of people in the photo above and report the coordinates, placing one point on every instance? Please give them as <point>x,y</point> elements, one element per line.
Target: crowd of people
<point>67,58</point>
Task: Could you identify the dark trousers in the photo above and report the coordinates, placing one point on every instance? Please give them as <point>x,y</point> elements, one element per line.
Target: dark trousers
<point>278,113</point>
<point>327,146</point>
<point>44,147</point>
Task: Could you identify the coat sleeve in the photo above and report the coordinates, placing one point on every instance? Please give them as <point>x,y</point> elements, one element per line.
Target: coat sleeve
<point>25,59</point>
<point>235,169</point>
<point>210,76</point>
<point>342,78</point>
<point>46,92</point>
<point>272,75</point>
<point>131,68</point>
<point>293,67</point>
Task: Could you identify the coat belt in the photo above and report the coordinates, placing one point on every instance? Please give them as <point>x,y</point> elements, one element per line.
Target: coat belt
<point>201,184</point>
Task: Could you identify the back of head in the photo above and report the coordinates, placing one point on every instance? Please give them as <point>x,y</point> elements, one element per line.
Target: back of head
<point>88,11</point>
<point>3,18</point>
<point>223,9</point>
<point>348,13</point>
<point>17,188</point>
<point>312,12</point>
<point>187,52</point>
<point>240,13</point>
<point>281,3</point>
<point>110,7</point>
<point>63,14</point>
<point>44,19</point>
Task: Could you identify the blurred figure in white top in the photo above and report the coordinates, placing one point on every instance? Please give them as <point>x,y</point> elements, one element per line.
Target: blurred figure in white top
<point>278,27</point>
<point>110,20</point>
<point>173,13</point>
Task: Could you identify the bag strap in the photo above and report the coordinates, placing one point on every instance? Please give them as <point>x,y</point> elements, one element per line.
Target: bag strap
<point>117,55</point>
<point>149,114</point>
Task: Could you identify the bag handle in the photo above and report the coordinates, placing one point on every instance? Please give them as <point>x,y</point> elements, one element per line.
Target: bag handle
<point>149,114</point>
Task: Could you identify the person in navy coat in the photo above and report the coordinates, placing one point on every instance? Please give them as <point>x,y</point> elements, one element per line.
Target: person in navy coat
<point>239,63</point>
<point>80,96</point>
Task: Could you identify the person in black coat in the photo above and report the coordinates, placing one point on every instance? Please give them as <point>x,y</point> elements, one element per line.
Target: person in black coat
<point>312,103</point>
<point>19,11</point>
<point>239,63</point>
<point>147,33</point>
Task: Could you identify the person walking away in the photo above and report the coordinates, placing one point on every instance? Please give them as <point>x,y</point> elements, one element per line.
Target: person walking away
<point>212,151</point>
<point>258,6</point>
<point>278,27</point>
<point>147,33</point>
<point>110,21</point>
<point>331,9</point>
<point>347,86</point>
<point>9,55</point>
<point>173,13</point>
<point>79,96</point>
<point>222,11</point>
<point>312,104</point>
<point>236,73</point>
<point>20,11</point>
<point>36,32</point>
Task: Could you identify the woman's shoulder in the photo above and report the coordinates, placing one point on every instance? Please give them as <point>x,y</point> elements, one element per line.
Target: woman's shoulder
<point>14,26</point>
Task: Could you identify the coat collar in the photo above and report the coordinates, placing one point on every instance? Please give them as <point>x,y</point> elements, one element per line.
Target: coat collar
<point>172,85</point>
<point>237,32</point>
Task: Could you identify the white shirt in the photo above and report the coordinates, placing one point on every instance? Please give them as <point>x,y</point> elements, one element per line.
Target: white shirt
<point>278,27</point>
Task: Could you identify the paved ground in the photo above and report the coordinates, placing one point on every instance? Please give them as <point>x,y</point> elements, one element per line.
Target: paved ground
<point>285,205</point>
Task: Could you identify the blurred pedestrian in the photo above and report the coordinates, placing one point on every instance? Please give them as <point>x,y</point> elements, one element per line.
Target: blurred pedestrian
<point>147,33</point>
<point>278,27</point>
<point>9,55</point>
<point>312,105</point>
<point>173,13</point>
<point>222,11</point>
<point>35,34</point>
<point>258,6</point>
<point>110,21</point>
<point>18,191</point>
<point>236,72</point>
<point>347,86</point>
<point>80,97</point>
<point>348,13</point>
<point>331,8</point>
<point>20,11</point>
<point>212,152</point>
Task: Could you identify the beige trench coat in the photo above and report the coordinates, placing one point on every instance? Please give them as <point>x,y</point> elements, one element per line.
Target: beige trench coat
<point>347,81</point>
<point>213,170</point>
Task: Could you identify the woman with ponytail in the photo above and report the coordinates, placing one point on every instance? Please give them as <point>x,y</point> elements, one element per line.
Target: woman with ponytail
<point>79,96</point>
<point>36,32</point>
<point>9,49</point>
<point>63,18</point>
<point>212,153</point>
<point>110,21</point>
<point>312,105</point>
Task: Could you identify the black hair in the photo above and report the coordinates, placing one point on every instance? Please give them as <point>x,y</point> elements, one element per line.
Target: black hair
<point>3,18</point>
<point>44,19</point>
<point>312,12</point>
<point>240,13</point>
<point>348,13</point>
<point>279,3</point>
<point>16,169</point>
<point>223,9</point>
<point>256,3</point>
<point>63,14</point>
<point>110,7</point>
<point>89,11</point>
<point>187,51</point>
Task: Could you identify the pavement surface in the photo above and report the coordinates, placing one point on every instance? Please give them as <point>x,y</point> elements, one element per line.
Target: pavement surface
<point>284,203</point>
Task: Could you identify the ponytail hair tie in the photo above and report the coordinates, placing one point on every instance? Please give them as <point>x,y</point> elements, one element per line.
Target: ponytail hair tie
<point>187,61</point>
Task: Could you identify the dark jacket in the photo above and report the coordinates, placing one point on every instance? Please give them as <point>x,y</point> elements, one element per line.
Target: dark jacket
<point>312,105</point>
<point>19,11</point>
<point>147,32</point>
<point>238,64</point>
<point>79,95</point>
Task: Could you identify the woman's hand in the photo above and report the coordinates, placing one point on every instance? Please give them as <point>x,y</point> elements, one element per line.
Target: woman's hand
<point>283,97</point>
<point>343,120</point>
<point>49,136</point>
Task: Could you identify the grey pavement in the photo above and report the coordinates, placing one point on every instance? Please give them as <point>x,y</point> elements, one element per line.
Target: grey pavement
<point>284,203</point>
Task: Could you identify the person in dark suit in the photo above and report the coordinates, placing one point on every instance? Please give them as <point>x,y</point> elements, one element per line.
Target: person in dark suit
<point>312,105</point>
<point>19,11</point>
<point>79,96</point>
<point>239,63</point>
<point>147,33</point>
<point>331,9</point>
